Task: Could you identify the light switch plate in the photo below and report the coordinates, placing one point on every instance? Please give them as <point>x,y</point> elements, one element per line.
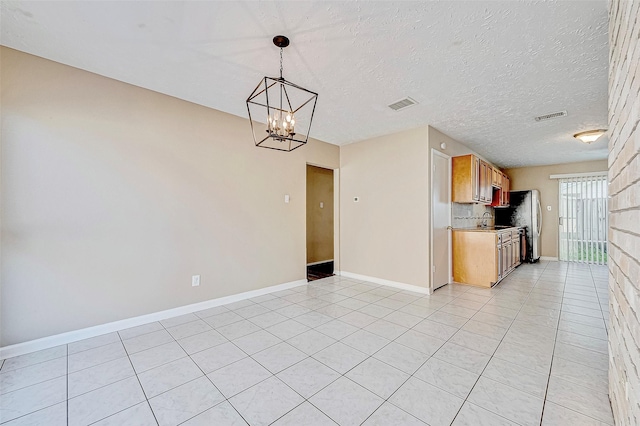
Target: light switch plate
<point>195,281</point>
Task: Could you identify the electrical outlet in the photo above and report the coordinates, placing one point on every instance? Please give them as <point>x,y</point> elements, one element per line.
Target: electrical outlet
<point>195,281</point>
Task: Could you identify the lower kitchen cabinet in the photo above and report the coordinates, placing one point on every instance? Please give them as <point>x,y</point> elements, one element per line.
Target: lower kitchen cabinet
<point>483,257</point>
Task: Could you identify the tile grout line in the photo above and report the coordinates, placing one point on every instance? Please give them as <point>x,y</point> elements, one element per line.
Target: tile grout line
<point>313,328</point>
<point>201,370</point>
<point>341,374</point>
<point>501,340</point>
<point>555,341</point>
<point>187,355</point>
<point>139,383</point>
<point>412,375</point>
<point>355,366</point>
<point>446,341</point>
<point>117,381</point>
<point>599,302</point>
<point>546,390</point>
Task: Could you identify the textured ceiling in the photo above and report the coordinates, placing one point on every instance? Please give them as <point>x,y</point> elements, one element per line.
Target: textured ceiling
<point>480,70</point>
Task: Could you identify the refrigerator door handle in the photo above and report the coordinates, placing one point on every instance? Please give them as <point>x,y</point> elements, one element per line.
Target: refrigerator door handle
<point>539,218</point>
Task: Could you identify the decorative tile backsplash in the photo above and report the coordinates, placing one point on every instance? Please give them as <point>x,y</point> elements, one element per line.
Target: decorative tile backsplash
<point>471,215</point>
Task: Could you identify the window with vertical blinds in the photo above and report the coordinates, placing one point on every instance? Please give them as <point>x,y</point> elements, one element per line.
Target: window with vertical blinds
<point>583,219</point>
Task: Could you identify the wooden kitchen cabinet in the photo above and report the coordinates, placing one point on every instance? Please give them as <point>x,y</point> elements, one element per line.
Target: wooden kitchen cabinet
<point>484,257</point>
<point>496,178</point>
<point>465,182</point>
<point>501,195</point>
<point>486,193</point>
<point>508,247</point>
<point>504,202</point>
<point>471,180</point>
<point>475,257</point>
<point>476,181</point>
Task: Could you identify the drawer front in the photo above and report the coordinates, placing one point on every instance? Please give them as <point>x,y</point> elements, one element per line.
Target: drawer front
<point>504,236</point>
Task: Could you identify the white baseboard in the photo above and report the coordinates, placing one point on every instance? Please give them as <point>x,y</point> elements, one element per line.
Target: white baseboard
<point>381,281</point>
<point>85,333</point>
<point>549,258</point>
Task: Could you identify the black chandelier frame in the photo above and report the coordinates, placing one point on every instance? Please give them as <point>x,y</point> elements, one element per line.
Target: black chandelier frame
<point>279,142</point>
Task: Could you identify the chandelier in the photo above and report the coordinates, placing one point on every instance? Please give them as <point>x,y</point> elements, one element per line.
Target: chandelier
<point>286,122</point>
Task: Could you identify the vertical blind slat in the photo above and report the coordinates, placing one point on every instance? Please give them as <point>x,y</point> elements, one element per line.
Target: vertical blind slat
<point>591,200</point>
<point>597,223</point>
<point>583,192</point>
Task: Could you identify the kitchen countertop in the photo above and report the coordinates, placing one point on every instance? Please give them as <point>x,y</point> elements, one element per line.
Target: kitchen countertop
<point>488,229</point>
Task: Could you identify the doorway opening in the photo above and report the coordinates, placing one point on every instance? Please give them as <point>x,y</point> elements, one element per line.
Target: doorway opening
<point>584,219</point>
<point>440,220</point>
<point>320,223</point>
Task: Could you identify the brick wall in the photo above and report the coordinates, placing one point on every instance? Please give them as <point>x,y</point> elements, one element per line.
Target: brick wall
<point>624,219</point>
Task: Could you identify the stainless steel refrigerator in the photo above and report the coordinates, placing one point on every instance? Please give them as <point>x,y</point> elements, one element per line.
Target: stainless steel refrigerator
<point>524,210</point>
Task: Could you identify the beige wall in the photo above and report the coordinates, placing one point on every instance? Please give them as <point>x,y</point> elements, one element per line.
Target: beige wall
<point>319,219</point>
<point>453,148</point>
<point>113,196</point>
<point>523,178</point>
<point>624,211</point>
<point>386,234</point>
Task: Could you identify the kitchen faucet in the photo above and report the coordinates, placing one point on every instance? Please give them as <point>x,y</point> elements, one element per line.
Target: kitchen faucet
<point>484,219</point>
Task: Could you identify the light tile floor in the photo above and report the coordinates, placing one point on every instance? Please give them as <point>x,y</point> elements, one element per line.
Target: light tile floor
<point>531,351</point>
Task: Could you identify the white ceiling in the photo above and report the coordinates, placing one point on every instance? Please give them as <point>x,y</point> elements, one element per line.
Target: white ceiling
<point>480,70</point>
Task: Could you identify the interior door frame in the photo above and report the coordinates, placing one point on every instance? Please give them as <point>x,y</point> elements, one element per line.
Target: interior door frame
<point>435,152</point>
<point>336,216</point>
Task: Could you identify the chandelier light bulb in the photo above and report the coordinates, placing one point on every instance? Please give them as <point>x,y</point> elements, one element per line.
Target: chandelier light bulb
<point>281,126</point>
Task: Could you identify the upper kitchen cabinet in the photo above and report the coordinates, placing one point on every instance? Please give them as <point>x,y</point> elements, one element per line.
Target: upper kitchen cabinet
<point>496,176</point>
<point>465,179</point>
<point>486,192</point>
<point>501,195</point>
<point>504,202</point>
<point>472,180</point>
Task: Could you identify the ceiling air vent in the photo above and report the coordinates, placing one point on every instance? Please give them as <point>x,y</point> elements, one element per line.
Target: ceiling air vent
<point>550,116</point>
<point>402,104</point>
